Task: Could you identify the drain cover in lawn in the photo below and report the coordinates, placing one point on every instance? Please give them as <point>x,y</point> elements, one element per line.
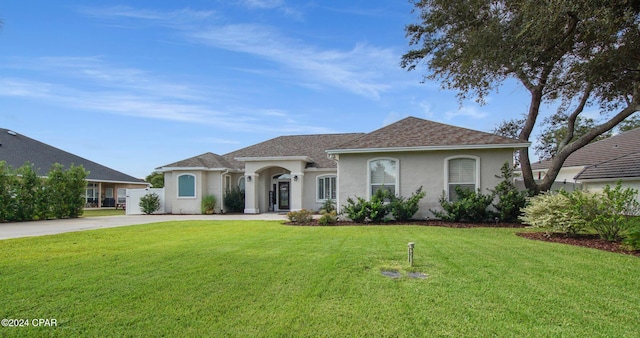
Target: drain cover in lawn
<point>418,275</point>
<point>392,274</point>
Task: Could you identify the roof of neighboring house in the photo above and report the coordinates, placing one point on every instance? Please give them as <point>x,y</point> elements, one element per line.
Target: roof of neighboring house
<point>17,149</point>
<point>413,132</point>
<point>312,146</point>
<point>623,166</point>
<point>206,160</point>
<point>610,148</point>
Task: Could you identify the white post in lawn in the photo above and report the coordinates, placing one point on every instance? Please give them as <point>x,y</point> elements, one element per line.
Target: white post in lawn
<point>411,245</point>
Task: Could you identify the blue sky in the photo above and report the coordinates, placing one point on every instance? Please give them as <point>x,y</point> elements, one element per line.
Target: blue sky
<point>139,84</point>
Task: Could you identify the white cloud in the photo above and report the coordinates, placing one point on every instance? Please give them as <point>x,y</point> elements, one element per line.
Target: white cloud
<point>466,111</point>
<point>349,70</point>
<point>362,70</point>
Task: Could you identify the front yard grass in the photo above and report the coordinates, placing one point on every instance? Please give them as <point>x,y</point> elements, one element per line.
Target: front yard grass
<point>102,212</point>
<point>252,278</point>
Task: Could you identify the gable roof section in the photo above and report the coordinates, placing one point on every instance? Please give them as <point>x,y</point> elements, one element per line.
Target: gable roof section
<point>207,160</point>
<point>610,148</point>
<point>312,146</point>
<point>626,166</point>
<point>413,133</point>
<point>17,149</point>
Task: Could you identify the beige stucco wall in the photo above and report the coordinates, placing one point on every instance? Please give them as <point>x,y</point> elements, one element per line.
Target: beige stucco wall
<point>309,199</point>
<point>207,182</point>
<point>426,169</point>
<point>599,186</point>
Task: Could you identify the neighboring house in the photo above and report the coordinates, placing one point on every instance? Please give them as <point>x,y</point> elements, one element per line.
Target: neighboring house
<point>601,163</point>
<point>105,187</point>
<point>296,172</point>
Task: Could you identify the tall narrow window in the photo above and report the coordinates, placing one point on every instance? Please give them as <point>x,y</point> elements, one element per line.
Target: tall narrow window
<point>187,185</point>
<point>462,172</point>
<point>383,174</point>
<point>326,188</point>
<point>241,183</point>
<point>122,195</point>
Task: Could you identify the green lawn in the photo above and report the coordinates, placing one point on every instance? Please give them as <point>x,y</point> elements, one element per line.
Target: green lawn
<point>236,278</point>
<point>102,212</point>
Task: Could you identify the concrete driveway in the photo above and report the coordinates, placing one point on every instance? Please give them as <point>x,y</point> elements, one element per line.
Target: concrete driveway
<point>57,226</point>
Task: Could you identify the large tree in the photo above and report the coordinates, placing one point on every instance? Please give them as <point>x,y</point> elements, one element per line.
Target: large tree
<point>583,53</point>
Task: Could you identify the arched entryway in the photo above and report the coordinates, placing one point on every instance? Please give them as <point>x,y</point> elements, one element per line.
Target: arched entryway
<point>274,185</point>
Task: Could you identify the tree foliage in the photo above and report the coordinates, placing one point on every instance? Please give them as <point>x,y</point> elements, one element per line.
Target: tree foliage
<point>583,53</point>
<point>156,179</point>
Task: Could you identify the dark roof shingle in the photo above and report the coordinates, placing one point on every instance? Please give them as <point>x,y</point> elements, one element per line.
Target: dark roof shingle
<point>206,160</point>
<point>415,132</point>
<point>620,167</point>
<point>604,150</point>
<point>17,149</point>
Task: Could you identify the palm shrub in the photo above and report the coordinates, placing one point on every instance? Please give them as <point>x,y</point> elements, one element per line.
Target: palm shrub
<point>328,206</point>
<point>470,206</point>
<point>208,204</point>
<point>510,200</point>
<point>150,203</point>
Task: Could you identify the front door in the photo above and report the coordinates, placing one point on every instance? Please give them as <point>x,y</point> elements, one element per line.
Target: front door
<point>283,195</point>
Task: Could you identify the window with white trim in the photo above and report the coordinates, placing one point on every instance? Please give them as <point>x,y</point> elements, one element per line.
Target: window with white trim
<point>383,174</point>
<point>122,195</point>
<point>326,188</point>
<point>241,183</point>
<point>187,185</point>
<point>462,172</point>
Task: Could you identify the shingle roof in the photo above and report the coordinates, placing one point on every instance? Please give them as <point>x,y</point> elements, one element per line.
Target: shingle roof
<point>312,146</point>
<point>604,150</point>
<point>206,160</point>
<point>413,132</point>
<point>17,149</point>
<point>623,166</point>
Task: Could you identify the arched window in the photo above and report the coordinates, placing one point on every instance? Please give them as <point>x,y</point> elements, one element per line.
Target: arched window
<point>241,183</point>
<point>463,172</point>
<point>383,174</point>
<point>326,188</point>
<point>187,185</point>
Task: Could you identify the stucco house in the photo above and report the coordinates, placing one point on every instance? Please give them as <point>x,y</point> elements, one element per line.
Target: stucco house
<point>601,163</point>
<point>106,187</point>
<point>302,171</point>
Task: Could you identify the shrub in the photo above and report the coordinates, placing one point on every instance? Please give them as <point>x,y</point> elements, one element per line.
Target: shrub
<point>470,206</point>
<point>303,216</point>
<point>328,206</point>
<point>510,200</point>
<point>328,218</point>
<point>554,212</point>
<point>150,203</point>
<point>633,234</point>
<point>403,209</point>
<point>356,210</point>
<point>379,206</point>
<point>234,200</point>
<point>208,204</point>
<point>611,219</point>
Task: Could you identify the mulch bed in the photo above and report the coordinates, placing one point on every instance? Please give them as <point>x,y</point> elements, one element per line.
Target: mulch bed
<point>589,241</point>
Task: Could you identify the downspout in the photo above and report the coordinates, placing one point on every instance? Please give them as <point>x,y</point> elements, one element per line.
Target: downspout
<point>226,172</point>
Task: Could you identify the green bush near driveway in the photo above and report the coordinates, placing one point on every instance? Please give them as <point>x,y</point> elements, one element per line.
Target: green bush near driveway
<point>256,278</point>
